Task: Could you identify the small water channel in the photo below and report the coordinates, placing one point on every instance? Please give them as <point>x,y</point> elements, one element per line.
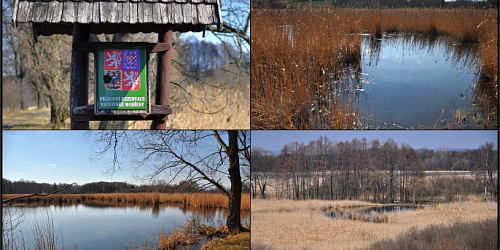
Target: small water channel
<point>99,226</point>
<point>368,212</point>
<point>414,81</point>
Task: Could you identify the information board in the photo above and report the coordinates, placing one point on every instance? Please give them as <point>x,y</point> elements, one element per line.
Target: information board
<point>122,79</point>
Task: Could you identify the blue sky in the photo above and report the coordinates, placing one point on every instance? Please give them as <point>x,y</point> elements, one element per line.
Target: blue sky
<point>64,156</point>
<point>68,156</point>
<point>53,156</point>
<point>274,140</point>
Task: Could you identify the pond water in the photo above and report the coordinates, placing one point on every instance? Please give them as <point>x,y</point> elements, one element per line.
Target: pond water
<point>341,213</point>
<point>98,226</point>
<point>413,81</point>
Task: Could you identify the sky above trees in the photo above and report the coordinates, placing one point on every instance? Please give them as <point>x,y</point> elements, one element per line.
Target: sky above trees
<point>274,140</point>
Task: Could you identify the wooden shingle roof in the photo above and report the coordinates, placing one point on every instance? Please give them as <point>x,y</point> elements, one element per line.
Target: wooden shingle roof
<point>117,16</point>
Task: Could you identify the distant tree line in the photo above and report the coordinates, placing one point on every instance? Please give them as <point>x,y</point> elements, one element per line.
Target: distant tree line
<point>375,171</point>
<point>377,3</point>
<point>26,187</point>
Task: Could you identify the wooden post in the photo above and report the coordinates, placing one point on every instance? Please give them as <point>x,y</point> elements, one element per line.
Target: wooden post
<point>163,74</point>
<point>79,85</point>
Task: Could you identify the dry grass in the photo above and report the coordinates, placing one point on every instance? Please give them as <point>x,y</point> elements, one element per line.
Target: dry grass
<point>202,200</point>
<point>259,205</point>
<point>232,242</point>
<point>299,65</point>
<point>460,235</point>
<point>184,236</point>
<point>308,227</point>
<point>223,108</point>
<point>295,66</point>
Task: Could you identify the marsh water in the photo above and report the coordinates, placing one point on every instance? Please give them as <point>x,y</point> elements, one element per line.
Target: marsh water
<point>99,226</point>
<point>340,213</point>
<point>412,81</point>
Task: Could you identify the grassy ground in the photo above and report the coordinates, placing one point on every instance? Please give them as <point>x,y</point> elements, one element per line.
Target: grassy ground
<point>279,224</point>
<point>221,109</point>
<point>233,242</point>
<point>29,119</point>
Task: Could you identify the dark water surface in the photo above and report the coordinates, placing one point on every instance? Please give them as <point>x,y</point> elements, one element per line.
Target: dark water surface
<point>111,227</point>
<point>412,81</point>
<point>339,214</point>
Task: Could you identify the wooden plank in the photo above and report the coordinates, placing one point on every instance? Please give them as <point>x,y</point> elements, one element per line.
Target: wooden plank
<point>147,12</point>
<point>163,69</point>
<point>55,14</point>
<point>69,12</point>
<point>133,13</point>
<point>84,12</point>
<point>140,13</point>
<point>156,12</point>
<point>40,11</point>
<point>203,14</point>
<point>103,9</point>
<point>177,17</point>
<point>117,13</point>
<point>159,47</point>
<point>79,86</point>
<point>166,13</point>
<point>126,12</point>
<point>194,14</point>
<point>187,13</point>
<point>16,9</point>
<point>25,11</point>
<point>96,8</point>
<point>86,113</point>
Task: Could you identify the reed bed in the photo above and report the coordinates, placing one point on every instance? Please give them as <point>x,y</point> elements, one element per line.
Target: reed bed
<point>202,200</point>
<point>310,229</point>
<point>303,59</point>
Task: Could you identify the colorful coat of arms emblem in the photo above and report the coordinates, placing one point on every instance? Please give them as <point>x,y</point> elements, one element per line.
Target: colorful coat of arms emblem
<point>123,66</point>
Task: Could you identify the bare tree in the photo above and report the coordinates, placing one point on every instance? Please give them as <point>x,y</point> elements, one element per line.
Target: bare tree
<point>201,156</point>
<point>488,163</point>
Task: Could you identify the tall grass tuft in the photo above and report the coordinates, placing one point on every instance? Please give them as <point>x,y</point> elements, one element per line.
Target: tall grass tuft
<point>184,236</point>
<point>460,235</point>
<point>299,65</point>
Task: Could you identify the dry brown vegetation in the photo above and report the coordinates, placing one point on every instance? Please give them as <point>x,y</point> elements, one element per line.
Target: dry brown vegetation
<point>460,235</point>
<point>297,63</point>
<point>205,200</point>
<point>305,226</point>
<point>223,108</point>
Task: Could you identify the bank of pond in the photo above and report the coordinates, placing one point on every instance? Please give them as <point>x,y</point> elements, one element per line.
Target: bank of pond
<point>91,225</point>
<point>116,221</point>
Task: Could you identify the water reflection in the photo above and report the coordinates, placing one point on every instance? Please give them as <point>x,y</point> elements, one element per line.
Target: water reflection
<point>414,81</point>
<point>101,226</point>
<point>367,212</point>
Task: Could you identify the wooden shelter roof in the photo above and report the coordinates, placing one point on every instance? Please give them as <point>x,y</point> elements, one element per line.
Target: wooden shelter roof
<point>116,16</point>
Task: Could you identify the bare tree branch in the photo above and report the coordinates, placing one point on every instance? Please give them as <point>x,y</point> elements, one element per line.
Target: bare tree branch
<point>38,194</point>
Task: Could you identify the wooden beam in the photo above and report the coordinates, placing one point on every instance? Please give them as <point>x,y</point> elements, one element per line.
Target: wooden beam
<point>86,113</point>
<point>79,85</point>
<point>150,47</point>
<point>163,74</point>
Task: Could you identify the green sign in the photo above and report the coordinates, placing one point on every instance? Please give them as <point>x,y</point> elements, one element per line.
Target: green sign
<point>122,79</point>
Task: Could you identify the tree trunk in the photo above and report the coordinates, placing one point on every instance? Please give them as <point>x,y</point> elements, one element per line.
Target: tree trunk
<point>233,219</point>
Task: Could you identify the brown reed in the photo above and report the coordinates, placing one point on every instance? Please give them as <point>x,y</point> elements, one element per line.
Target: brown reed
<point>299,56</point>
<point>202,200</point>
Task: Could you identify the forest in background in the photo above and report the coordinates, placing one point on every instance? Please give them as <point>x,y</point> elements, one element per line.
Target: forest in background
<point>374,3</point>
<point>375,171</point>
<point>161,186</point>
